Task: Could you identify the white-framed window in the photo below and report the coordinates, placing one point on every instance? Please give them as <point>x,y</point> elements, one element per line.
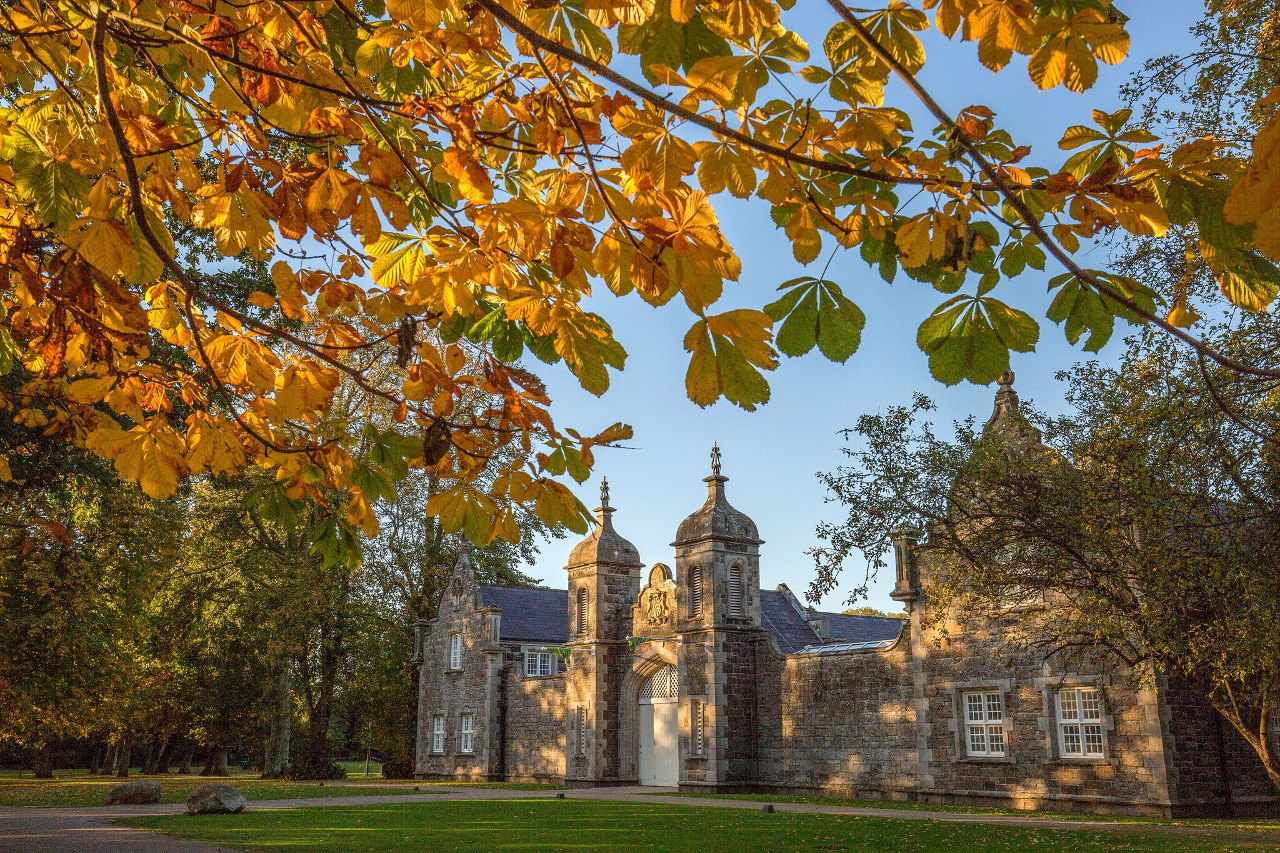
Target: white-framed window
<point>735,589</point>
<point>581,730</point>
<point>437,734</point>
<point>695,591</point>
<point>699,712</point>
<point>455,651</point>
<point>582,611</point>
<point>984,724</point>
<point>537,662</point>
<point>1080,722</point>
<point>467,733</point>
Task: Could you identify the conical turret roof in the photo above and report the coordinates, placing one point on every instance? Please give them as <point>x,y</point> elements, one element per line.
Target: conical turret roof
<point>717,519</point>
<point>604,544</point>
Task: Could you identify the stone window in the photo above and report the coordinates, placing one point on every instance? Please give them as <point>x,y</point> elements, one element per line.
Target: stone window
<point>735,589</point>
<point>699,739</point>
<point>984,724</point>
<point>1080,728</point>
<point>455,651</point>
<point>467,733</point>
<point>580,734</point>
<point>695,591</point>
<point>437,734</point>
<point>582,611</point>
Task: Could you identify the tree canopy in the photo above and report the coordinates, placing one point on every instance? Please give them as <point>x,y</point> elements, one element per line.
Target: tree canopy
<point>435,188</point>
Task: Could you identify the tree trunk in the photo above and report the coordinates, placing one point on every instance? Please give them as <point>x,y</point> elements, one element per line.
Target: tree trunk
<point>42,762</point>
<point>165,756</point>
<point>188,752</point>
<point>277,754</point>
<point>95,761</point>
<point>115,760</point>
<point>122,767</point>
<point>216,764</point>
<point>149,763</point>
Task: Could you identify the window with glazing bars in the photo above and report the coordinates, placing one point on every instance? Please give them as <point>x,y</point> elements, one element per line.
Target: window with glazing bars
<point>437,734</point>
<point>1080,722</point>
<point>466,733</point>
<point>455,651</point>
<point>984,723</point>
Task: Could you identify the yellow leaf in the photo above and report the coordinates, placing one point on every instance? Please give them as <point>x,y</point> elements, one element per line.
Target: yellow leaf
<point>243,362</point>
<point>213,445</point>
<point>106,245</point>
<point>150,454</point>
<point>472,177</point>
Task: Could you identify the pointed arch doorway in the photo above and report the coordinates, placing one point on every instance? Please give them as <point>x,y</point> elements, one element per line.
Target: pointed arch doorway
<point>659,727</point>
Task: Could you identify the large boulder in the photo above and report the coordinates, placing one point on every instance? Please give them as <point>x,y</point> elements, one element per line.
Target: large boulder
<point>216,798</point>
<point>135,793</point>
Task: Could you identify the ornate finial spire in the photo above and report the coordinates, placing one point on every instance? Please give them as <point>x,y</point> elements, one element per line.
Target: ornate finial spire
<point>1008,418</point>
<point>715,459</point>
<point>1006,379</point>
<point>604,493</point>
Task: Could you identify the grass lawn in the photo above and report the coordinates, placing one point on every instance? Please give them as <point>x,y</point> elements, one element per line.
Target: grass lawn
<point>582,826</point>
<point>1243,823</point>
<point>355,769</point>
<point>74,789</point>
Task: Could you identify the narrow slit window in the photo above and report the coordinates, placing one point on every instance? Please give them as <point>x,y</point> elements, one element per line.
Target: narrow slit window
<point>695,591</point>
<point>582,611</point>
<point>699,727</point>
<point>735,589</point>
<point>582,730</point>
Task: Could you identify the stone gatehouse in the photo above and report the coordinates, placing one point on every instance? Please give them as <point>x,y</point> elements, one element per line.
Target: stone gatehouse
<point>698,677</point>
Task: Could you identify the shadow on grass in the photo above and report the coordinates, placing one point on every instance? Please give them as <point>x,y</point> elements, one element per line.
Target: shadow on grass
<point>585,826</point>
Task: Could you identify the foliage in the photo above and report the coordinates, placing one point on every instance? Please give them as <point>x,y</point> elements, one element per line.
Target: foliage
<point>1147,521</point>
<point>596,826</point>
<point>867,610</point>
<point>435,188</point>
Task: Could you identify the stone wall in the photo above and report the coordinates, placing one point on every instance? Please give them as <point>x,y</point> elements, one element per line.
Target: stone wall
<point>535,727</point>
<point>848,724</point>
<point>992,655</point>
<point>450,693</point>
<point>1213,770</point>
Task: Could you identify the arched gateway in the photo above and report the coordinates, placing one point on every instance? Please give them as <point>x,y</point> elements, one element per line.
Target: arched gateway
<point>659,725</point>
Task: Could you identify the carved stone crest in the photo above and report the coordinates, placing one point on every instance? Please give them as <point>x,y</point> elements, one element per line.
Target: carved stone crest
<point>658,598</point>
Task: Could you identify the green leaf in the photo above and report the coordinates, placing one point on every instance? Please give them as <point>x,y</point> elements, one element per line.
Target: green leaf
<point>1081,309</point>
<point>970,338</point>
<point>816,312</point>
<point>57,191</point>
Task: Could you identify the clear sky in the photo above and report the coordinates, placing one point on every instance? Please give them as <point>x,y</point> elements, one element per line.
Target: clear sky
<point>772,455</point>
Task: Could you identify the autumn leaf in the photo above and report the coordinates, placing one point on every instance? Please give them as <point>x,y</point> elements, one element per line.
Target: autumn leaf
<point>728,352</point>
<point>150,454</point>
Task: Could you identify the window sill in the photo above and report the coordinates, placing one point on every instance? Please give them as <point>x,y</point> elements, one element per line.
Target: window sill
<point>1070,760</point>
<point>985,759</point>
<point>449,670</point>
<point>702,756</point>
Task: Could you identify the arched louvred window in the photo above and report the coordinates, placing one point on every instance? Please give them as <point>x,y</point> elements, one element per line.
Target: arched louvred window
<point>695,591</point>
<point>735,589</point>
<point>582,611</point>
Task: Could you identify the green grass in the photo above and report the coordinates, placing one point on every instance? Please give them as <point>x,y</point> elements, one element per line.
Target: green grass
<point>74,789</point>
<point>1247,824</point>
<point>355,769</point>
<point>583,826</point>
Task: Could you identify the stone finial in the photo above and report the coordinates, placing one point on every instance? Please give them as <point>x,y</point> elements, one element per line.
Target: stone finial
<point>464,553</point>
<point>1007,418</point>
<point>604,544</point>
<point>715,459</point>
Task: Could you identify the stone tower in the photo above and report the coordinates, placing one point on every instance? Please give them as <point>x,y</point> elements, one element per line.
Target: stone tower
<point>604,581</point>
<point>718,578</point>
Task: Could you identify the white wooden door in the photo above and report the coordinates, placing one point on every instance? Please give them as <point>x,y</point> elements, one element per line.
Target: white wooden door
<point>659,755</point>
<point>659,728</point>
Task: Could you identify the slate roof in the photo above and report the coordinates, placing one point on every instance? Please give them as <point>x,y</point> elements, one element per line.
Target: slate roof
<point>530,613</point>
<point>784,623</point>
<point>863,629</point>
<point>540,615</point>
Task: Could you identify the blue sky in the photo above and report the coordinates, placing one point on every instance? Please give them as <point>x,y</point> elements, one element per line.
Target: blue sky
<point>772,455</point>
